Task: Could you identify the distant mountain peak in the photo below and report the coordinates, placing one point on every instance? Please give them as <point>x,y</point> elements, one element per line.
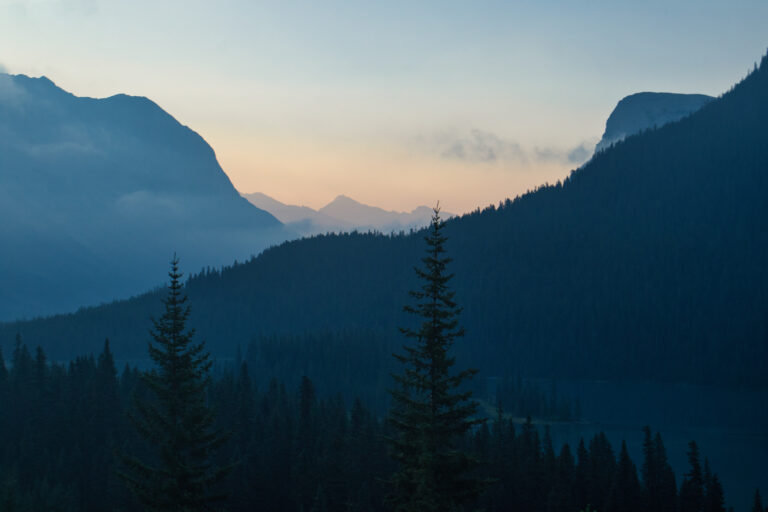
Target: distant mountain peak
<point>343,200</point>
<point>343,214</point>
<point>645,110</point>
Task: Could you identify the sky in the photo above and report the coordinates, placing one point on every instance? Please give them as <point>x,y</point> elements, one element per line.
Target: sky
<point>396,103</point>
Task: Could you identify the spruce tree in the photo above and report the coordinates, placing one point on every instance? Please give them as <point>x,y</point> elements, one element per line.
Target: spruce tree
<point>668,499</point>
<point>431,413</point>
<point>602,468</point>
<point>659,487</point>
<point>625,492</point>
<point>650,471</point>
<point>757,504</point>
<point>305,465</point>
<point>582,480</point>
<point>176,421</point>
<point>692,488</point>
<point>714,500</point>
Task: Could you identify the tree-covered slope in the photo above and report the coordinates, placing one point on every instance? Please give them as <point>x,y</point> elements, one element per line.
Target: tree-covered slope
<point>649,262</point>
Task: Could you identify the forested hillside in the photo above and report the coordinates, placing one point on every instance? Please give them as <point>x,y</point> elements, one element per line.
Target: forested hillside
<point>650,262</point>
<point>297,449</point>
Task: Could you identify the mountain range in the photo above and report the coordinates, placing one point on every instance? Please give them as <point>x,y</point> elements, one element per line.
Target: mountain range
<point>343,214</point>
<point>113,187</point>
<point>97,194</point>
<point>648,262</point>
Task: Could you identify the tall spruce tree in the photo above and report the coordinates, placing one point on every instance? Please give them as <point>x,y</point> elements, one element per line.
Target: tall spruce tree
<point>714,500</point>
<point>431,413</point>
<point>625,492</point>
<point>757,504</point>
<point>176,422</point>
<point>692,488</point>
<point>659,487</point>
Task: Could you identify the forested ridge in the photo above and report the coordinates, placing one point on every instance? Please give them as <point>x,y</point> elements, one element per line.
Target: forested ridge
<point>647,263</point>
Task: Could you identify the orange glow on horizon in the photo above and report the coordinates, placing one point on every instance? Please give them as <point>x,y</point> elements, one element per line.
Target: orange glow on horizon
<point>310,174</point>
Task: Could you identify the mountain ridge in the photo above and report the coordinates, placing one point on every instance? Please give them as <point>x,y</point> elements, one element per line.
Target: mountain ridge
<point>116,182</point>
<point>342,214</point>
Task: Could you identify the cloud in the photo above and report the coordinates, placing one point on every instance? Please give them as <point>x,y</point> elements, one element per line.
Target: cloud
<point>575,155</point>
<point>581,153</point>
<point>480,146</point>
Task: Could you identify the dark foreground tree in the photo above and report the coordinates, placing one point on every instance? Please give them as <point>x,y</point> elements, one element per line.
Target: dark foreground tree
<point>757,504</point>
<point>692,488</point>
<point>176,421</point>
<point>431,413</point>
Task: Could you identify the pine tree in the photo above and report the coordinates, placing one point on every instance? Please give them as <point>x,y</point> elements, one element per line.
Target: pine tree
<point>305,465</point>
<point>650,471</point>
<point>625,492</point>
<point>431,414</point>
<point>757,504</point>
<point>692,488</point>
<point>582,482</point>
<point>176,422</point>
<point>668,498</point>
<point>602,468</point>
<point>659,487</point>
<point>104,429</point>
<point>563,498</point>
<point>714,500</point>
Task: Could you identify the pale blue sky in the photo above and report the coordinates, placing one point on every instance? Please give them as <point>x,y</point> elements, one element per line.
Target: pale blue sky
<point>307,100</point>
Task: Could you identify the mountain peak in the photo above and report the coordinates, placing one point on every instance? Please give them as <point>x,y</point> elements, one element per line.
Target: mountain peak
<point>343,214</point>
<point>342,199</point>
<point>643,110</point>
<point>17,89</point>
<point>112,186</point>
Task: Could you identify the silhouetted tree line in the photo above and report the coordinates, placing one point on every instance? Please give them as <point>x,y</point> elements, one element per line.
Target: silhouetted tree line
<point>522,398</point>
<point>358,364</point>
<point>63,426</point>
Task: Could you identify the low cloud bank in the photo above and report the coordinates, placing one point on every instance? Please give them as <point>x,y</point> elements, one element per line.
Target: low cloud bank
<point>480,146</point>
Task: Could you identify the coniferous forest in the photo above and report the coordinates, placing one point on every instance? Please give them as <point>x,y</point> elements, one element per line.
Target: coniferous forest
<point>65,428</point>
